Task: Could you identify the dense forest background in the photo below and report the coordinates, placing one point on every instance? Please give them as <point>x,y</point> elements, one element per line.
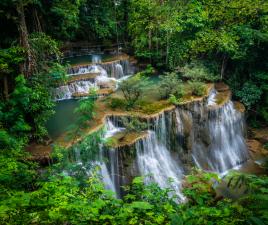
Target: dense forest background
<point>227,38</point>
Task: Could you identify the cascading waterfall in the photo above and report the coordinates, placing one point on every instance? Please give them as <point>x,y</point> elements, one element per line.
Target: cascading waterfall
<point>115,69</point>
<point>109,169</point>
<point>104,75</point>
<point>67,91</point>
<point>154,160</point>
<point>201,134</point>
<point>226,145</point>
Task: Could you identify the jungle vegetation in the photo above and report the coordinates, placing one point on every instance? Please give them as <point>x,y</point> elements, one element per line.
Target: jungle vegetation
<point>202,40</point>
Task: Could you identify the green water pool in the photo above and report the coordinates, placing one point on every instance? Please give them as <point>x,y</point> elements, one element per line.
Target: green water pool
<point>63,118</point>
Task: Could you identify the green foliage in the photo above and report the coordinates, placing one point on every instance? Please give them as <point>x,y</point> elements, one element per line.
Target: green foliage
<point>10,59</point>
<point>132,89</point>
<point>249,94</point>
<point>133,124</point>
<point>65,18</point>
<point>41,107</point>
<point>170,84</point>
<point>197,72</point>
<point>26,112</point>
<point>85,113</point>
<point>197,88</point>
<point>173,100</point>
<point>149,71</point>
<point>14,111</point>
<point>43,48</point>
<point>98,20</point>
<point>117,103</point>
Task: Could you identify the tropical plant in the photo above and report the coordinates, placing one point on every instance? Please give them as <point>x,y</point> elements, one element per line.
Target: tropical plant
<point>132,89</point>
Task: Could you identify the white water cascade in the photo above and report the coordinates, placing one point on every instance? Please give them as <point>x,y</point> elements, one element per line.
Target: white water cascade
<point>67,91</point>
<point>227,147</point>
<point>201,134</point>
<point>97,74</point>
<point>154,160</point>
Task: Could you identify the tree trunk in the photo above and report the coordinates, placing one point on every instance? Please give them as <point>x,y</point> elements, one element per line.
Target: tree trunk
<point>38,27</point>
<point>28,66</point>
<point>150,43</point>
<point>167,49</point>
<point>223,66</point>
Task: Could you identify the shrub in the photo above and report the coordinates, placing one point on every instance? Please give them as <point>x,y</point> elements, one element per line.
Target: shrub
<point>173,100</point>
<point>133,124</point>
<point>197,88</point>
<point>117,103</point>
<point>198,72</point>
<point>169,85</point>
<point>250,94</point>
<point>149,70</point>
<point>132,89</point>
<point>180,91</point>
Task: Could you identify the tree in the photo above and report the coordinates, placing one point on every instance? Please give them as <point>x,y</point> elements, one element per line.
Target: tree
<point>170,84</point>
<point>132,89</point>
<point>9,61</point>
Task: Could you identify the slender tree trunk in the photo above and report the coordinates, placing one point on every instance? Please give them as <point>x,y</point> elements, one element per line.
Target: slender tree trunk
<point>5,87</point>
<point>28,66</point>
<point>38,27</point>
<point>223,66</point>
<point>167,49</point>
<point>150,43</point>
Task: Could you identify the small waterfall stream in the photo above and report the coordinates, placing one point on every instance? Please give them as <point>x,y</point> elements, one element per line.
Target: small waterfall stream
<point>154,160</point>
<point>94,75</point>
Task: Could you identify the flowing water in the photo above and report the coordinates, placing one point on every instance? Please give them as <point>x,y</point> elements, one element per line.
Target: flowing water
<point>201,134</point>
<point>227,147</point>
<point>154,160</point>
<point>107,75</point>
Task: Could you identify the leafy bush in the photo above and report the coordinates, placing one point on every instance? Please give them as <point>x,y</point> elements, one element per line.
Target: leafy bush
<point>197,72</point>
<point>117,103</point>
<point>173,100</point>
<point>132,89</point>
<point>250,94</point>
<point>170,84</point>
<point>197,88</point>
<point>149,71</point>
<point>133,124</point>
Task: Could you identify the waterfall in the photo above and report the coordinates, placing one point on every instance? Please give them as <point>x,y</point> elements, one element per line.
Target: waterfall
<point>119,71</point>
<point>154,159</point>
<point>115,69</point>
<point>200,133</point>
<point>96,74</point>
<point>212,98</point>
<point>67,91</point>
<point>109,168</point>
<point>226,148</point>
<point>107,177</point>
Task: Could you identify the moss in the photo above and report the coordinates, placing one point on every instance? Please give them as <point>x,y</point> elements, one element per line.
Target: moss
<point>239,107</point>
<point>223,97</point>
<point>153,107</point>
<point>122,139</point>
<point>87,76</point>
